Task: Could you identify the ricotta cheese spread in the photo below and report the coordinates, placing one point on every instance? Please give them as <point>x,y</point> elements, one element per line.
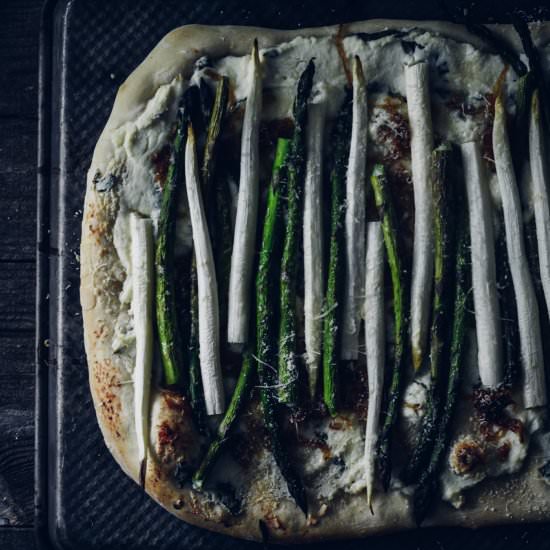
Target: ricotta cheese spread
<point>462,80</point>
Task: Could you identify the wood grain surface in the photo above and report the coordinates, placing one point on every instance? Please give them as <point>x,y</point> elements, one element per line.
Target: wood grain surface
<point>19,26</point>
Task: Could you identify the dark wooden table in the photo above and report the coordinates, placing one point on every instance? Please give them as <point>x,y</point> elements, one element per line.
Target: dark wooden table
<point>19,26</point>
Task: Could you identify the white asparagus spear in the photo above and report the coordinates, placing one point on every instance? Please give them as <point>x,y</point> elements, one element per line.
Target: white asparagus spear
<point>355,218</point>
<point>313,241</point>
<point>242,257</point>
<point>541,202</point>
<point>420,121</point>
<point>142,253</point>
<point>374,338</point>
<point>487,310</point>
<point>207,287</point>
<point>534,384</point>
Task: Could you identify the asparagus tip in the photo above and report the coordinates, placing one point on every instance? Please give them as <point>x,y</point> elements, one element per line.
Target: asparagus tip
<point>191,133</point>
<point>331,408</point>
<point>499,104</point>
<point>378,170</point>
<point>255,51</point>
<point>358,69</point>
<point>369,500</point>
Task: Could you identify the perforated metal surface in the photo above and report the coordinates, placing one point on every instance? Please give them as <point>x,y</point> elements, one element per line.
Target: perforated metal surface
<point>96,45</point>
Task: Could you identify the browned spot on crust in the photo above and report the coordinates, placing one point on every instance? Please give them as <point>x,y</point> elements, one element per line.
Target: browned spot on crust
<point>168,441</point>
<point>101,332</point>
<point>107,382</point>
<point>176,437</point>
<point>466,456</point>
<point>197,508</point>
<point>91,212</point>
<point>157,473</point>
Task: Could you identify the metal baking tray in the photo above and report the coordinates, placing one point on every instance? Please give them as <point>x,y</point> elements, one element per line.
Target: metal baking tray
<point>88,48</point>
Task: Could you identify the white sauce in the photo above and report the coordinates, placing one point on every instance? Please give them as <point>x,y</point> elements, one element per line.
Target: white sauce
<point>495,462</point>
<point>414,404</point>
<point>456,68</point>
<point>343,470</point>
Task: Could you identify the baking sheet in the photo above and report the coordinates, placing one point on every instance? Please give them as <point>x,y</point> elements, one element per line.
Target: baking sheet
<point>88,48</point>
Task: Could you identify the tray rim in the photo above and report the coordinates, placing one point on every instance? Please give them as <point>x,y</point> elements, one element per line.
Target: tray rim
<point>48,535</point>
<point>45,537</point>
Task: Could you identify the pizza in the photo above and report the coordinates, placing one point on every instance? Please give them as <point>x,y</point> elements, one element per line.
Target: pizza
<point>315,277</point>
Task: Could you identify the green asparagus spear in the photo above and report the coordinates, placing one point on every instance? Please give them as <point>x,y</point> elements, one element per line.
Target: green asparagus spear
<point>167,321</point>
<point>217,191</point>
<point>266,279</point>
<point>296,161</point>
<point>429,481</point>
<point>267,286</point>
<point>196,392</point>
<point>212,138</point>
<point>206,105</point>
<point>442,189</point>
<point>444,167</point>
<point>223,244</point>
<point>238,401</point>
<point>273,426</point>
<point>393,397</point>
<point>508,311</point>
<point>331,320</point>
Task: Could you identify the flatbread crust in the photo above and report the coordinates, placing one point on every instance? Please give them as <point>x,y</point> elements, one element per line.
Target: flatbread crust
<point>511,499</point>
